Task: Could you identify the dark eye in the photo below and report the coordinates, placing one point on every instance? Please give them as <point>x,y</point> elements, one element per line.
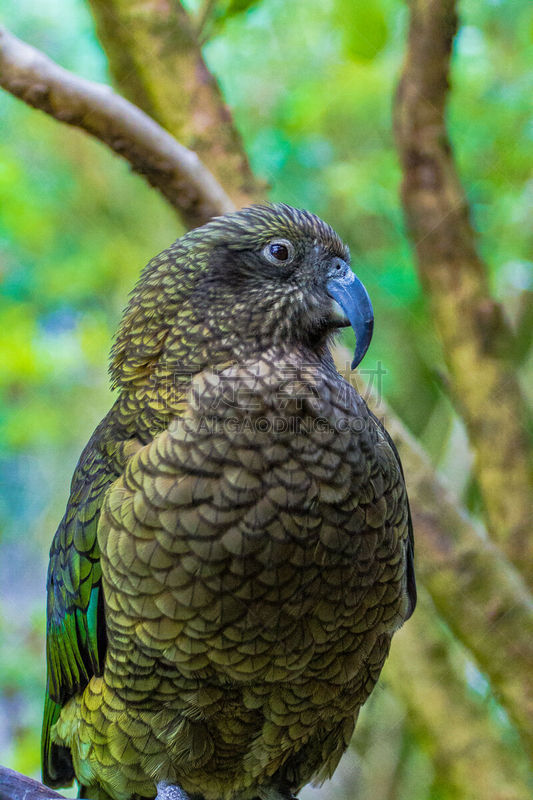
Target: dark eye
<point>279,252</point>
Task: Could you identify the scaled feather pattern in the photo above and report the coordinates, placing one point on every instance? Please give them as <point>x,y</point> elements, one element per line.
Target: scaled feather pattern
<point>237,550</point>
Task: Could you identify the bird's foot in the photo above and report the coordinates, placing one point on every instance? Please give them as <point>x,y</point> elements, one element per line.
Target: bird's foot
<point>170,791</point>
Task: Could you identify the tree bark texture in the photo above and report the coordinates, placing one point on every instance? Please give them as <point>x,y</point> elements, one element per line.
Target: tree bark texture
<point>476,338</point>
<point>157,63</point>
<point>14,786</point>
<point>168,166</point>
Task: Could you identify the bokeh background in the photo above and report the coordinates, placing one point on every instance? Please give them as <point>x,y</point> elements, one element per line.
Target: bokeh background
<point>76,227</point>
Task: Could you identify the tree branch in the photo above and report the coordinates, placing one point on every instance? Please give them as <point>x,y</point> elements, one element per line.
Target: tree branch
<point>476,590</point>
<point>156,61</point>
<point>476,338</point>
<point>479,594</point>
<point>14,786</point>
<point>168,166</point>
<point>427,672</point>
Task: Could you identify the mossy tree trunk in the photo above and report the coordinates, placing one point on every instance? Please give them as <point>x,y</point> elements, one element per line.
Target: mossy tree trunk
<point>477,341</point>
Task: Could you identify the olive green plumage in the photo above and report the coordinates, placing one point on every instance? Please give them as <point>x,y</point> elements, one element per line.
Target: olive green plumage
<point>236,551</point>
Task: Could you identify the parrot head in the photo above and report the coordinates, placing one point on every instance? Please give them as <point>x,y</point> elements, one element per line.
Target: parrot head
<point>265,275</point>
<point>280,274</point>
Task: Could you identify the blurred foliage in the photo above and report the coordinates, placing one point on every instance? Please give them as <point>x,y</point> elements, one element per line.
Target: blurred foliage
<point>311,86</point>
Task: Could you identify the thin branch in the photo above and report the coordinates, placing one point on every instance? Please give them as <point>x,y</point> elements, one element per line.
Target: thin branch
<point>477,339</point>
<point>479,594</point>
<point>156,61</point>
<point>206,11</point>
<point>523,323</point>
<point>176,171</point>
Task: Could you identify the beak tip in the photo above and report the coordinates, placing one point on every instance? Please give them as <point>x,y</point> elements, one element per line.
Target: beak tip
<point>357,359</point>
<point>362,344</point>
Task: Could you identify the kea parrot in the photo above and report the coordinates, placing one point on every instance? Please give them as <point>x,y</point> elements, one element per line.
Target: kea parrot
<point>237,548</point>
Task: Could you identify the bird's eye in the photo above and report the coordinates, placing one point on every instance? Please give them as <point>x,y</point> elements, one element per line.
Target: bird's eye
<point>279,252</point>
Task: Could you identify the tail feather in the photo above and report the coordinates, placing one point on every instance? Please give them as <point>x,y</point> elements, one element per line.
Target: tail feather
<point>56,761</point>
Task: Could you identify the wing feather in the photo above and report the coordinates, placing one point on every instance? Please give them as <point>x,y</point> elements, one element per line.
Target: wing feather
<point>75,635</point>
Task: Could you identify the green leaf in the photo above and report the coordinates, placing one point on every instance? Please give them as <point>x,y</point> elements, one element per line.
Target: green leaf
<point>364,29</point>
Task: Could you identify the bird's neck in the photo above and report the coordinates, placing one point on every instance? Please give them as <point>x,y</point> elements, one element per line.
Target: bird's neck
<point>161,346</point>
<point>160,390</point>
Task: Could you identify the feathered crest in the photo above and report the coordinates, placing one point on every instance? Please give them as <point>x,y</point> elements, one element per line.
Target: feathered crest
<point>254,225</point>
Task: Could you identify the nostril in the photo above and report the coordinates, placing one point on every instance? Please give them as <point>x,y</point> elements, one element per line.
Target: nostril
<point>338,268</point>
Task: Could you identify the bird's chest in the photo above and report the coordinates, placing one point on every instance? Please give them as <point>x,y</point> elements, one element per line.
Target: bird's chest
<point>249,610</point>
<point>289,585</point>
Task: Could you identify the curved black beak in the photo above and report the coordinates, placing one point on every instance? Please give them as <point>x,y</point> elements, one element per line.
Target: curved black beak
<point>352,297</point>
